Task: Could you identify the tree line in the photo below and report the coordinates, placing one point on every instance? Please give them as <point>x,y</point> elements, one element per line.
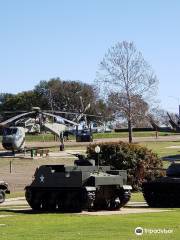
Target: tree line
<point>60,95</point>
<point>124,90</point>
<point>57,94</point>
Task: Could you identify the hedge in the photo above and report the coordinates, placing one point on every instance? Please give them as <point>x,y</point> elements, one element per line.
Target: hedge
<point>134,129</point>
<point>140,162</point>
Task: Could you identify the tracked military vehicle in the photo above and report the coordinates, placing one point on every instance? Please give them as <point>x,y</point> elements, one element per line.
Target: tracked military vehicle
<point>164,191</point>
<point>3,190</point>
<point>84,135</point>
<point>83,186</point>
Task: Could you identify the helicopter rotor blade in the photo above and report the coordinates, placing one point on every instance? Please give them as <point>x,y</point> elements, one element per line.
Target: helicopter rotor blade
<point>74,113</point>
<point>59,112</point>
<point>87,107</point>
<point>12,112</point>
<point>2,124</point>
<point>55,116</point>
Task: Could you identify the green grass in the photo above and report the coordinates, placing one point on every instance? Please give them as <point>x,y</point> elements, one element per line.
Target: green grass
<point>137,197</point>
<point>161,148</point>
<point>15,195</point>
<point>50,137</point>
<point>135,134</point>
<point>39,138</point>
<point>24,226</point>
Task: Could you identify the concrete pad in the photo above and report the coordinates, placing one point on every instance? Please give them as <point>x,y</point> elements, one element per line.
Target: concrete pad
<point>136,204</point>
<point>173,147</point>
<point>4,216</point>
<point>27,155</point>
<point>14,201</point>
<point>124,211</point>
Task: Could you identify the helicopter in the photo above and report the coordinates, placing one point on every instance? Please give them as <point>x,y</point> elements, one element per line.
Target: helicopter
<point>37,120</point>
<point>84,134</point>
<point>13,137</point>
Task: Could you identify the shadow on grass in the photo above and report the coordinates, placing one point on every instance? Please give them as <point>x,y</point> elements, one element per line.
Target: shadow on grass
<point>34,212</point>
<point>172,158</point>
<point>6,154</point>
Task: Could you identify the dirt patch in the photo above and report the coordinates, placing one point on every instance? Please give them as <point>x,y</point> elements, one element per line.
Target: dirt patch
<point>22,170</point>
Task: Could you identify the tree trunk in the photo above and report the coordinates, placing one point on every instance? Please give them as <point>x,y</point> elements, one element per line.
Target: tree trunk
<point>130,131</point>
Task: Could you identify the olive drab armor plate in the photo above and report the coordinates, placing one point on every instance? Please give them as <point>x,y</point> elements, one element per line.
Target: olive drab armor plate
<point>164,191</point>
<point>82,186</point>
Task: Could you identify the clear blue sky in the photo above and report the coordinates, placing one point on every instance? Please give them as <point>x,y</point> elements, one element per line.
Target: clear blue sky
<point>41,39</point>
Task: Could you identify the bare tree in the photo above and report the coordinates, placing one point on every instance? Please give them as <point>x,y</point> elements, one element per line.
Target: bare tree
<point>139,109</point>
<point>124,71</point>
<point>160,117</point>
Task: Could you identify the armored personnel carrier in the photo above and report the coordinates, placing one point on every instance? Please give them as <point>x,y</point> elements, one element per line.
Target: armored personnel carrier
<point>164,191</point>
<point>3,190</point>
<point>74,188</point>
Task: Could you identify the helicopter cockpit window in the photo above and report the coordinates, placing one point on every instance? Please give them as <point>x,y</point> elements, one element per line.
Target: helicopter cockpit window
<point>9,131</point>
<point>18,132</point>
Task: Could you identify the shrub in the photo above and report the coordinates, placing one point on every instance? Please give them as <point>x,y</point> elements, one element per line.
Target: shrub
<point>140,162</point>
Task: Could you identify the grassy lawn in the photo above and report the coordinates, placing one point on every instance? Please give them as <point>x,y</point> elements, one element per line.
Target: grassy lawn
<point>135,134</point>
<point>28,225</point>
<point>15,195</point>
<point>50,137</point>
<point>162,148</point>
<point>137,197</point>
<point>25,226</point>
<point>39,137</point>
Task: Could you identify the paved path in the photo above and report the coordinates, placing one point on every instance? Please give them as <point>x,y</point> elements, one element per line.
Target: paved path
<point>14,202</point>
<point>60,154</point>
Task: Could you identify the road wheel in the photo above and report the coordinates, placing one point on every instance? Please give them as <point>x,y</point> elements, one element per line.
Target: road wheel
<point>114,204</point>
<point>49,201</point>
<point>124,197</point>
<point>33,199</point>
<point>2,196</point>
